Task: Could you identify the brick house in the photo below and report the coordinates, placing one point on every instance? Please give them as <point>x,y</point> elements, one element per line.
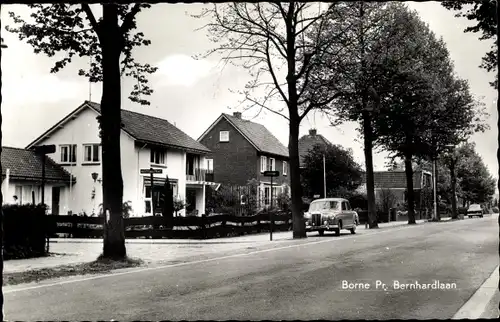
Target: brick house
<point>308,141</point>
<point>242,150</point>
<point>393,184</point>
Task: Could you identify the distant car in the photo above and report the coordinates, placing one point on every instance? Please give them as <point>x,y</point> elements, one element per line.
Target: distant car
<point>331,214</point>
<point>475,210</point>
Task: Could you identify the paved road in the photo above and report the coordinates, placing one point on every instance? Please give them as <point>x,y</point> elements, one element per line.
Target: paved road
<point>296,280</point>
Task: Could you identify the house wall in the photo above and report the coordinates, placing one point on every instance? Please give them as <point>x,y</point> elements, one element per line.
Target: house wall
<point>281,179</point>
<point>84,129</point>
<point>9,190</point>
<point>236,161</point>
<point>175,168</point>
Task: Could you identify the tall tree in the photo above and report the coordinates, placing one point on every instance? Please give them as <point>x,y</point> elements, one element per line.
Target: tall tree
<point>72,29</point>
<point>476,183</point>
<point>484,14</point>
<point>380,33</point>
<point>340,168</point>
<point>280,44</point>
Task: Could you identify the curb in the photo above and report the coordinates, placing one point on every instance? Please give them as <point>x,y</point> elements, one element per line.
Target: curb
<point>477,304</point>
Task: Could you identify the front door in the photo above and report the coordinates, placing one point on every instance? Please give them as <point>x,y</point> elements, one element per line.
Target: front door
<point>56,191</point>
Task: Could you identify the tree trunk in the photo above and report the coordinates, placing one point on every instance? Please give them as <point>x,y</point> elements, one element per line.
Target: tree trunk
<point>370,183</point>
<point>454,214</point>
<point>409,188</point>
<point>112,182</point>
<point>438,213</point>
<point>299,226</point>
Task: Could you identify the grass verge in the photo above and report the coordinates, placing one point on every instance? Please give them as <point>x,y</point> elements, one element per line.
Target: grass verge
<point>98,266</point>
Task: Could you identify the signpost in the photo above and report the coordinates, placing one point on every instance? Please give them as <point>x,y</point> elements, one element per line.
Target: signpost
<point>151,171</point>
<point>44,150</point>
<point>271,174</point>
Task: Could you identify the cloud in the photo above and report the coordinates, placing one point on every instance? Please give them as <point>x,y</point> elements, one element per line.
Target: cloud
<point>182,70</point>
<point>38,89</point>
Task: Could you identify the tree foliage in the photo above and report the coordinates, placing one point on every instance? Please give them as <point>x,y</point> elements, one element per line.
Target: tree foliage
<point>483,13</point>
<point>342,172</point>
<point>66,31</point>
<point>476,183</point>
<point>70,30</point>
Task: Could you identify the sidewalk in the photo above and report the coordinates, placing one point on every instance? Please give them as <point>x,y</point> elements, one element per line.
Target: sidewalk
<point>70,251</point>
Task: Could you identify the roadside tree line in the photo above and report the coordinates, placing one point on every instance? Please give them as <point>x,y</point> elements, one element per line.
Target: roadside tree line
<point>376,64</point>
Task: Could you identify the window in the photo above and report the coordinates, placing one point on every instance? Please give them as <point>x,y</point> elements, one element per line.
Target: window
<point>210,165</point>
<point>285,168</point>
<point>224,136</point>
<point>263,163</point>
<point>157,156</point>
<point>348,206</point>
<point>243,200</point>
<point>267,195</point>
<point>272,164</point>
<point>68,153</point>
<point>91,153</point>
<point>157,195</point>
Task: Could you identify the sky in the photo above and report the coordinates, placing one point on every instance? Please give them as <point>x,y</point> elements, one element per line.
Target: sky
<point>192,93</point>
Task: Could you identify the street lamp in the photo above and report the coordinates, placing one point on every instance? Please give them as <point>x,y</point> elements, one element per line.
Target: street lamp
<point>94,176</point>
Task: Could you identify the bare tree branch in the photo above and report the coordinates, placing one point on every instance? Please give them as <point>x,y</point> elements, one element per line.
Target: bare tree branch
<point>91,18</point>
<point>129,18</point>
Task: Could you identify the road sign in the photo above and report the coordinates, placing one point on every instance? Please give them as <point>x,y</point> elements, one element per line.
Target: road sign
<point>151,171</point>
<point>271,173</point>
<point>45,149</point>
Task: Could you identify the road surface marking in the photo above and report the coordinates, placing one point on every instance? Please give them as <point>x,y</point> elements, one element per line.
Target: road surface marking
<point>475,306</point>
<point>146,269</point>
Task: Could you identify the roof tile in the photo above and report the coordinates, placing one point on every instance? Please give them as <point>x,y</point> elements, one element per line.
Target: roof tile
<point>27,164</point>
<point>393,179</point>
<point>155,130</point>
<point>259,135</point>
<point>307,142</point>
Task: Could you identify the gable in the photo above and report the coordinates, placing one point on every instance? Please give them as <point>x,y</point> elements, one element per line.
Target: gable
<point>140,127</point>
<point>307,143</point>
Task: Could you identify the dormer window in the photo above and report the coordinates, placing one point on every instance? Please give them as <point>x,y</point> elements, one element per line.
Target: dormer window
<point>224,136</point>
<point>157,156</point>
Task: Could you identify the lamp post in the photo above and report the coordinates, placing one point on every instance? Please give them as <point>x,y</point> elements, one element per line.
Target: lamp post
<point>43,150</point>
<point>94,177</point>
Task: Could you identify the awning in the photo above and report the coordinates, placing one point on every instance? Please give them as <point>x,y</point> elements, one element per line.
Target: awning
<point>158,181</point>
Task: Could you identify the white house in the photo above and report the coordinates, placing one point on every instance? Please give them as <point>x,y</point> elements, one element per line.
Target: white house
<point>145,142</point>
<point>22,177</point>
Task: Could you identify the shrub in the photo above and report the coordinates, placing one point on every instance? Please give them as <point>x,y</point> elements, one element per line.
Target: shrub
<point>25,230</point>
<point>495,210</point>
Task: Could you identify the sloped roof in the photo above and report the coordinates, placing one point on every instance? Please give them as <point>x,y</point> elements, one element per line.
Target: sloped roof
<point>155,130</point>
<point>258,135</point>
<point>393,179</point>
<point>27,165</point>
<point>307,142</point>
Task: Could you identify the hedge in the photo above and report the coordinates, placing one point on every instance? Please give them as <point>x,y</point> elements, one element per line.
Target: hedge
<point>24,231</point>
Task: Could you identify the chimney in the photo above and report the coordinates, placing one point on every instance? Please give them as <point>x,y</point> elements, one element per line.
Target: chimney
<point>312,132</point>
<point>237,114</point>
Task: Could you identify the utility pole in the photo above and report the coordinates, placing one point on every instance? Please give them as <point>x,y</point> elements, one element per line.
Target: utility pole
<point>43,150</point>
